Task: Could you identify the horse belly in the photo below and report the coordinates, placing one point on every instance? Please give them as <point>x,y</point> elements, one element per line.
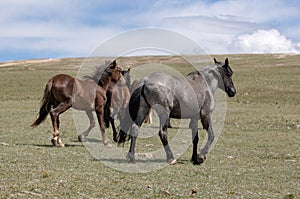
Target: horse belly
<point>186,105</point>
<point>80,103</point>
<point>84,96</point>
<point>184,112</point>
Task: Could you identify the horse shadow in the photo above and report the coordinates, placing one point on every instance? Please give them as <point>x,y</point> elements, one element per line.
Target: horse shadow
<point>46,145</point>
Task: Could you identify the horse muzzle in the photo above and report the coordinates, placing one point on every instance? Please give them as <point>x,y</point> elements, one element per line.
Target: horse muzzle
<point>231,92</point>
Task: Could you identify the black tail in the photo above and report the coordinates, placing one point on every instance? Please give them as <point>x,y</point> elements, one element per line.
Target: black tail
<point>46,105</point>
<point>130,114</point>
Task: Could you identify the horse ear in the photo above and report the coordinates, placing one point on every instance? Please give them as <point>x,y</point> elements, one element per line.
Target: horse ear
<point>113,65</point>
<point>215,61</point>
<point>226,62</point>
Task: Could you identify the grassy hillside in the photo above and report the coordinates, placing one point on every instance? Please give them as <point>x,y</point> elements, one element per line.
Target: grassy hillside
<point>257,155</point>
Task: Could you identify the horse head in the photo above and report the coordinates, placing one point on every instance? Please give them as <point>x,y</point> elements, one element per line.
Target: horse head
<point>113,70</point>
<point>226,75</point>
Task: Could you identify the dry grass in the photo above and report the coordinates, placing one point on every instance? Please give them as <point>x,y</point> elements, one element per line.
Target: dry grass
<point>257,155</point>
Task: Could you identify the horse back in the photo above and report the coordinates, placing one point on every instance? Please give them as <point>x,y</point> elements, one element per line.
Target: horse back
<point>174,94</point>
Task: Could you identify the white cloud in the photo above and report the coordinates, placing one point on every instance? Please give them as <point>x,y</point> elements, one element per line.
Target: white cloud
<point>57,27</point>
<point>256,11</point>
<point>217,25</point>
<point>264,41</point>
<point>75,28</point>
<point>214,34</point>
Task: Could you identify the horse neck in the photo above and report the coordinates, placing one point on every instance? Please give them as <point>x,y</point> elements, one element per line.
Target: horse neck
<point>212,77</point>
<point>104,82</point>
<point>121,81</point>
<point>127,80</point>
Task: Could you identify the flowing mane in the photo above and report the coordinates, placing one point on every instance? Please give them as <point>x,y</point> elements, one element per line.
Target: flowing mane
<point>98,74</point>
<point>101,75</point>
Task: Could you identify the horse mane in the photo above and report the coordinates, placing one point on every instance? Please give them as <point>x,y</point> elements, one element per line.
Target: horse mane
<point>100,76</point>
<point>201,73</point>
<point>104,80</point>
<point>126,76</point>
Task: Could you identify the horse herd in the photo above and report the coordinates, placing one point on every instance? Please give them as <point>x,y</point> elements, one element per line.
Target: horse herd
<point>109,93</point>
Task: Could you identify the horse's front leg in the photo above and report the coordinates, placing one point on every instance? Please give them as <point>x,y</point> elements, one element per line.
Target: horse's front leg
<point>100,117</point>
<point>134,133</point>
<point>83,135</point>
<point>112,122</point>
<point>194,126</point>
<point>207,125</point>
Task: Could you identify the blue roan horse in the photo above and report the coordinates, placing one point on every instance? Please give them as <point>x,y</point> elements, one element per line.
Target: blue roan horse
<point>190,97</point>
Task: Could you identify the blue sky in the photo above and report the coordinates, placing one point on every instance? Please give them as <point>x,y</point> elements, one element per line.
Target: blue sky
<point>34,29</point>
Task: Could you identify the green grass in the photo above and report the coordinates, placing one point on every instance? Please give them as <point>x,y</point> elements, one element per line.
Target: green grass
<point>257,155</point>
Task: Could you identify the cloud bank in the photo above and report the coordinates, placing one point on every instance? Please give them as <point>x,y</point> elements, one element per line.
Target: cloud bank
<point>264,41</point>
<point>54,28</point>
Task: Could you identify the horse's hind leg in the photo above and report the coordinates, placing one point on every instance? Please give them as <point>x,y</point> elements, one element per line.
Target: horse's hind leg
<point>143,111</point>
<point>62,107</point>
<point>163,114</point>
<point>83,135</point>
<point>163,134</point>
<point>148,119</point>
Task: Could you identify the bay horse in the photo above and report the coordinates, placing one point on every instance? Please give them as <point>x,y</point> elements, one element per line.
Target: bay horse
<point>89,94</point>
<point>118,96</point>
<point>190,97</point>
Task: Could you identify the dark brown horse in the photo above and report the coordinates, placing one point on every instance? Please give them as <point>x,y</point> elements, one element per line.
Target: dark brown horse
<point>63,92</point>
<point>118,96</point>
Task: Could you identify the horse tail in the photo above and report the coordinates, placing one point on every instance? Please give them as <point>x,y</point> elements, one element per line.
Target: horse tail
<point>130,113</point>
<point>134,102</point>
<point>46,104</point>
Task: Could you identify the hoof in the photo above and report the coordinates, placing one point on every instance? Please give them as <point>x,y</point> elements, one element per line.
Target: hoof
<point>106,124</point>
<point>130,158</point>
<point>173,162</point>
<point>59,143</point>
<point>108,145</point>
<point>115,139</point>
<point>56,141</point>
<point>81,138</point>
<point>199,159</point>
<point>131,161</point>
